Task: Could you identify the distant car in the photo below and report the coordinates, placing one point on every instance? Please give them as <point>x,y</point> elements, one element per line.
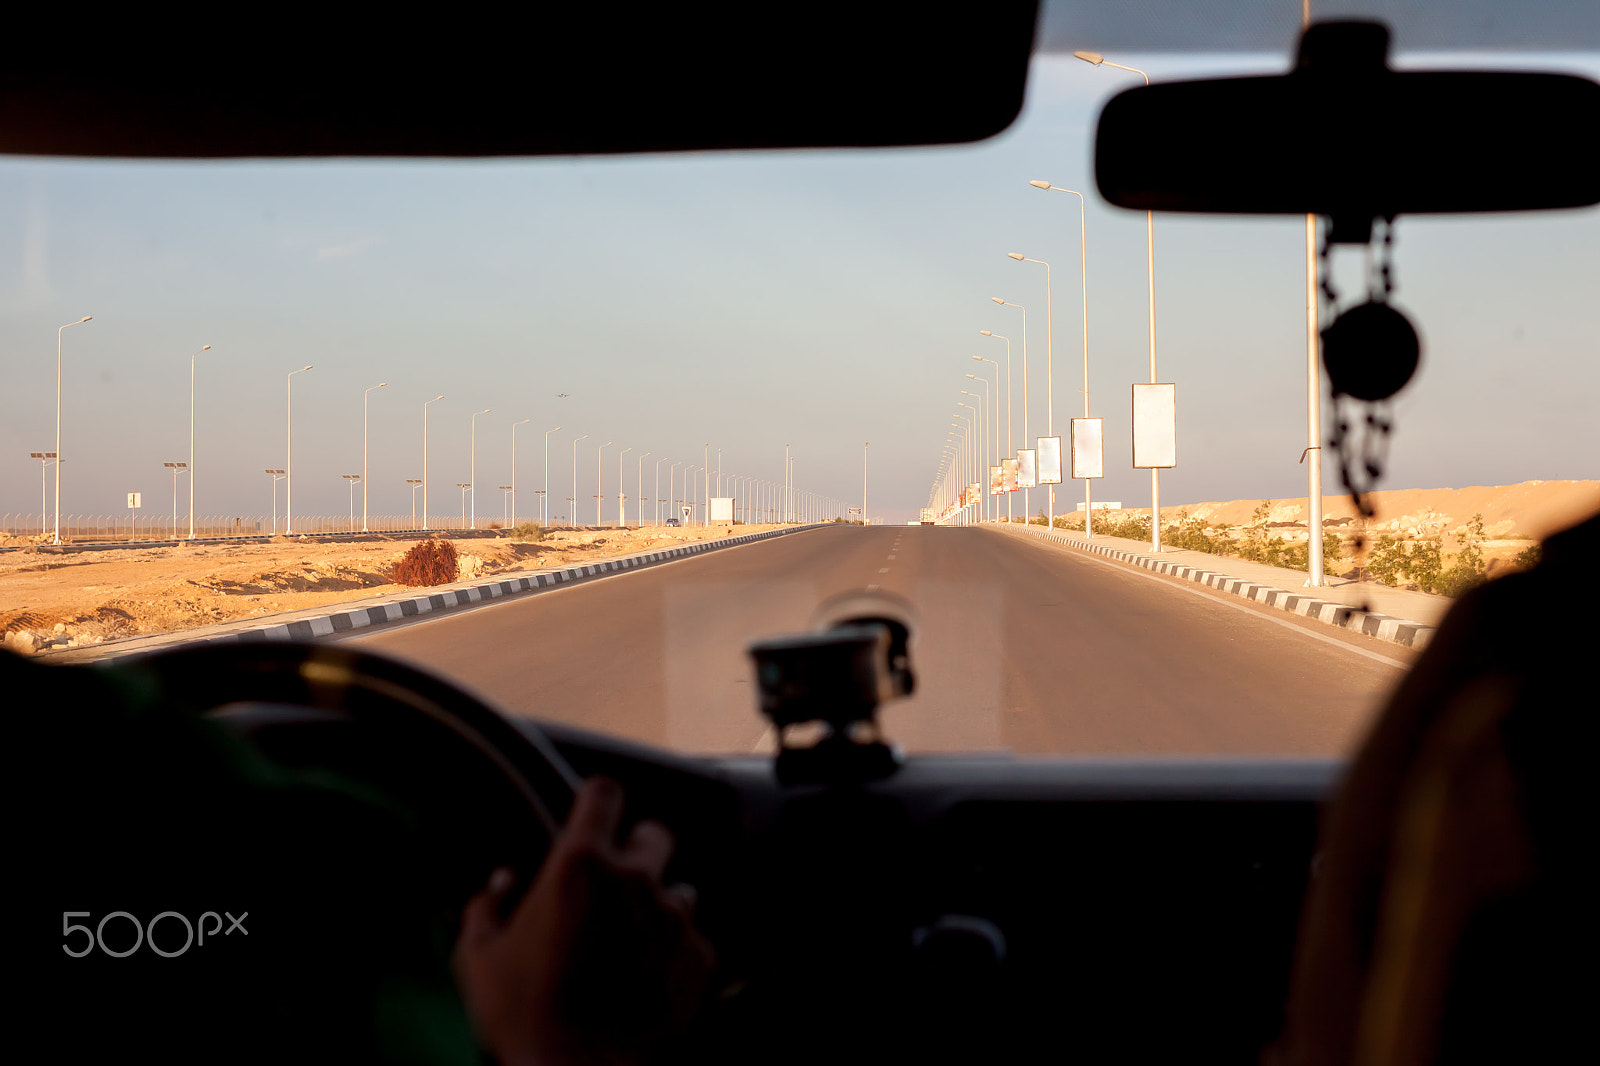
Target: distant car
<point>673,522</point>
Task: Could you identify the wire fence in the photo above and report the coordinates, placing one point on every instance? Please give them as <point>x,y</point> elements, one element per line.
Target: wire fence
<point>137,526</point>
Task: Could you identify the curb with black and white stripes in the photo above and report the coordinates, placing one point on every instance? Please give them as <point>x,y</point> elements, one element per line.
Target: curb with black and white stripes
<point>410,607</point>
<point>1382,626</point>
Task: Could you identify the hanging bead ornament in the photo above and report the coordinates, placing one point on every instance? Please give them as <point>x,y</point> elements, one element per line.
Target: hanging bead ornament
<point>1370,351</point>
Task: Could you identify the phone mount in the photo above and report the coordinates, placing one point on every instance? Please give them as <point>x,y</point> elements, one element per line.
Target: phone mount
<point>835,681</point>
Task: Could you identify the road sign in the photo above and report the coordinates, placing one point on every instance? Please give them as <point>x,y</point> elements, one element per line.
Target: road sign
<point>134,500</point>
<point>686,511</point>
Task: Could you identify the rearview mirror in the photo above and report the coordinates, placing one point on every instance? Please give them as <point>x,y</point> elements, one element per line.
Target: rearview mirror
<point>1343,135</point>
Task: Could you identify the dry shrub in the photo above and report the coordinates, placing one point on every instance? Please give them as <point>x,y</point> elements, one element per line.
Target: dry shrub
<point>429,562</point>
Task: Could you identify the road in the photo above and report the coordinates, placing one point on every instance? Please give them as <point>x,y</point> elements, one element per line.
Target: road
<point>1018,645</point>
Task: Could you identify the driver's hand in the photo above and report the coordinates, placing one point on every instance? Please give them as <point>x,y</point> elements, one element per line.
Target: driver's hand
<point>600,962</point>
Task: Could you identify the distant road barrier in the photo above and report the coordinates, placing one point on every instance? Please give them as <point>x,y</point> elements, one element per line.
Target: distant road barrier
<point>137,526</point>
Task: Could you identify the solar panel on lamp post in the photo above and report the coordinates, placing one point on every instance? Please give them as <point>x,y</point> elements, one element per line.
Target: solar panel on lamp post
<point>178,468</point>
<point>414,482</point>
<point>45,461</point>
<point>352,479</point>
<point>277,476</point>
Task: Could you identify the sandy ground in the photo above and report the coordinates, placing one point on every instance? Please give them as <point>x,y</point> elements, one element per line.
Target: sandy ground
<point>79,598</point>
<point>1514,516</point>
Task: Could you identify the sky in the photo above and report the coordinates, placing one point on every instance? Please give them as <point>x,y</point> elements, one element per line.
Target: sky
<point>819,299</point>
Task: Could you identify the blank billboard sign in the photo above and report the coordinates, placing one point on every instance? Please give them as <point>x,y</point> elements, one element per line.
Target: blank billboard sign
<point>1027,468</point>
<point>722,508</point>
<point>1088,448</point>
<point>1049,460</point>
<point>997,483</point>
<point>1155,425</point>
<point>1008,474</point>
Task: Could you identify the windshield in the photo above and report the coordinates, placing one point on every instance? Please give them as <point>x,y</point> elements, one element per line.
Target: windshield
<point>555,363</point>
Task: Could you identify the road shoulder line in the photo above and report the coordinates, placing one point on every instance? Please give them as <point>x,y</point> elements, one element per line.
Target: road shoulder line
<point>438,602</point>
<point>1340,615</point>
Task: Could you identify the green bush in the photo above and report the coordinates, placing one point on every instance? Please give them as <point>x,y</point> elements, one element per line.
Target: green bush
<point>526,531</point>
<point>1528,557</point>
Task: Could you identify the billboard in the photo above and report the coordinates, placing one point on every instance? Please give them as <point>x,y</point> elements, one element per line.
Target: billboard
<point>1155,425</point>
<point>1008,475</point>
<point>996,480</point>
<point>1049,460</point>
<point>1088,448</point>
<point>1027,468</point>
<point>722,508</point>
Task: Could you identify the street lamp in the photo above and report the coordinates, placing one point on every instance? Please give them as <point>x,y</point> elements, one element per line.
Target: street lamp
<point>178,468</point>
<point>413,482</point>
<point>574,496</point>
<point>364,395</point>
<point>505,497</point>
<point>45,459</point>
<point>277,476</point>
<point>288,466</point>
<point>545,502</point>
<point>599,478</point>
<point>658,493</point>
<point>985,417</point>
<point>472,469</point>
<point>436,399</point>
<point>352,479</point>
<point>622,496</point>
<point>511,519</point>
<point>999,452</point>
<point>1083,275</point>
<point>706,515</point>
<point>203,348</point>
<point>639,499</point>
<point>57,452</point>
<point>864,446</point>
<point>1096,59</point>
<point>1026,504</point>
<point>1050,369</point>
<point>463,486</point>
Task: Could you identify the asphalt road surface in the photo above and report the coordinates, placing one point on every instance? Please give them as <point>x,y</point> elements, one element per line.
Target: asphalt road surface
<point>1018,645</point>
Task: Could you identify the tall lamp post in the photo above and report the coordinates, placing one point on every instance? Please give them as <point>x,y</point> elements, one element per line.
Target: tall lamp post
<point>1050,369</point>
<point>436,399</point>
<point>639,497</point>
<point>203,348</point>
<point>999,452</point>
<point>45,459</point>
<point>1083,275</point>
<point>472,469</point>
<point>657,493</point>
<point>599,479</point>
<point>985,418</point>
<point>81,321</point>
<point>864,446</point>
<point>364,395</point>
<point>545,501</point>
<point>574,497</point>
<point>463,486</point>
<point>511,520</point>
<point>505,496</point>
<point>1096,59</point>
<point>622,496</point>
<point>1026,505</point>
<point>288,466</point>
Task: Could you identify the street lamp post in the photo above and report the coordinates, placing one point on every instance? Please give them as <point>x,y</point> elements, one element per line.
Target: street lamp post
<point>999,452</point>
<point>463,486</point>
<point>622,496</point>
<point>364,395</point>
<point>288,466</point>
<point>505,497</point>
<point>352,479</point>
<point>1050,372</point>
<point>414,482</point>
<point>1026,504</point>
<point>85,318</point>
<point>574,496</point>
<point>989,420</point>
<point>472,469</point>
<point>178,468</point>
<point>544,502</point>
<point>599,479</point>
<point>277,476</point>
<point>864,446</point>
<point>511,519</point>
<point>436,399</point>
<point>657,493</point>
<point>203,348</point>
<point>1096,59</point>
<point>1083,274</point>
<point>639,497</point>
<point>705,517</point>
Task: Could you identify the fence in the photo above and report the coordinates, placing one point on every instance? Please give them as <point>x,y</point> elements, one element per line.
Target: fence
<point>136,526</point>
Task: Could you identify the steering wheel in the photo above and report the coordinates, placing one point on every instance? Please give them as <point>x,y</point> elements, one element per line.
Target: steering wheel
<point>431,734</point>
